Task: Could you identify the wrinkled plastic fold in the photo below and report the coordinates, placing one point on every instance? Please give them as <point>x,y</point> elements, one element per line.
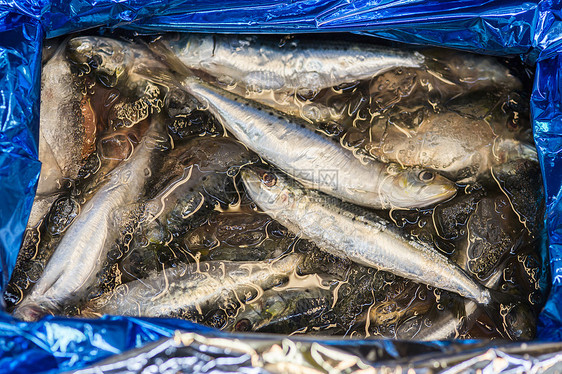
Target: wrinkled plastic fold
<point>193,352</point>
<point>20,60</point>
<point>531,29</point>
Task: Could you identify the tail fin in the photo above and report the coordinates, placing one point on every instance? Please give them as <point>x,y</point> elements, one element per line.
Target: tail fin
<point>500,306</point>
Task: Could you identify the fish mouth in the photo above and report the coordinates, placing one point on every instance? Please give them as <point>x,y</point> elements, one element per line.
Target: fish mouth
<point>252,180</point>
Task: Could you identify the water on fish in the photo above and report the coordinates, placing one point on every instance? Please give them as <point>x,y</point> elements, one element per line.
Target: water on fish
<point>463,116</point>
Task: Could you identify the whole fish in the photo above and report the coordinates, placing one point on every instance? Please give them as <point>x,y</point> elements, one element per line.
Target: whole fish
<point>261,63</point>
<point>80,254</point>
<point>318,160</point>
<point>352,232</point>
<point>283,311</point>
<point>187,290</point>
<point>442,143</point>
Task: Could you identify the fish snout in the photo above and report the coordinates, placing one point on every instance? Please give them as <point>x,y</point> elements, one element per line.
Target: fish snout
<point>30,312</point>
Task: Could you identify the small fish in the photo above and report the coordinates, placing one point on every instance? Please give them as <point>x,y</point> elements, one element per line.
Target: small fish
<point>442,143</point>
<point>261,63</point>
<point>112,59</point>
<point>283,311</point>
<point>187,290</point>
<point>66,132</point>
<point>316,159</point>
<point>352,232</point>
<point>196,174</point>
<point>79,255</point>
<point>448,325</point>
<point>474,72</point>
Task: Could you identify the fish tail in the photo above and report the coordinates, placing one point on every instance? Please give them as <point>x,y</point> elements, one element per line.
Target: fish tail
<point>500,304</point>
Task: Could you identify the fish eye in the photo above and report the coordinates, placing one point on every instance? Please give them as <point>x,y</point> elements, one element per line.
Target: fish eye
<point>426,176</point>
<point>243,325</point>
<point>269,179</point>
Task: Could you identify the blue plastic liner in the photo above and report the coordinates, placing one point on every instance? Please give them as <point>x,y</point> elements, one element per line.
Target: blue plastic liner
<point>20,44</point>
<point>530,29</point>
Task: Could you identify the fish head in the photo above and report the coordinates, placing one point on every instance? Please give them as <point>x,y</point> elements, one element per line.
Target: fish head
<point>260,313</point>
<point>416,187</point>
<point>192,49</point>
<point>109,57</point>
<point>31,312</point>
<point>271,190</point>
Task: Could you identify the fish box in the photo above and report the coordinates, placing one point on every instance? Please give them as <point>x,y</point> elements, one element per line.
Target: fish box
<point>308,185</point>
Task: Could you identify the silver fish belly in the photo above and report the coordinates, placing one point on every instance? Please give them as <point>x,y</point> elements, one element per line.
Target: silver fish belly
<point>191,286</point>
<point>316,159</point>
<point>261,64</point>
<point>359,235</point>
<point>80,254</point>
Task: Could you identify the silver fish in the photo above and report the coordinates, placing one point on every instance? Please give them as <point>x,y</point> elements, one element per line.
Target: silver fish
<point>80,254</point>
<point>282,311</point>
<point>442,143</point>
<point>66,137</point>
<point>448,325</point>
<point>316,159</point>
<point>262,64</point>
<point>359,235</point>
<point>191,288</point>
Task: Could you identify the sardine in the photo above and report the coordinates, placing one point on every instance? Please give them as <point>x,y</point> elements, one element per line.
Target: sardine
<point>316,159</point>
<point>195,174</point>
<point>352,232</point>
<point>260,63</point>
<point>283,311</point>
<point>449,325</point>
<point>66,136</point>
<point>189,289</point>
<point>442,143</point>
<point>79,256</point>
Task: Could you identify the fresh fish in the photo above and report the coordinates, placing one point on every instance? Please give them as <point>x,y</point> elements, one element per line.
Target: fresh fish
<point>449,325</point>
<point>283,311</point>
<point>113,60</point>
<point>318,160</point>
<point>442,143</point>
<point>475,72</point>
<point>293,105</point>
<point>66,131</point>
<point>187,290</point>
<point>195,174</point>
<point>357,234</point>
<point>260,63</point>
<point>80,254</point>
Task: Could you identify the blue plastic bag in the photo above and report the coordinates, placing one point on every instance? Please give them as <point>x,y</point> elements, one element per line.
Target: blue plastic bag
<point>530,29</point>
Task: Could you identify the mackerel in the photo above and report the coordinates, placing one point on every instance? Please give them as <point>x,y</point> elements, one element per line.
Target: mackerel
<point>355,233</point>
<point>81,253</point>
<point>318,160</point>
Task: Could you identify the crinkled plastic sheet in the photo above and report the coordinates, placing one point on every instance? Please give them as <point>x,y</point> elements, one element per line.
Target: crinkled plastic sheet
<point>194,353</point>
<point>20,46</point>
<point>531,29</point>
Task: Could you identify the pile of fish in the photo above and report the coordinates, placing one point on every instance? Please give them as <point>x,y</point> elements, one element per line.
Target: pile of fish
<point>286,185</point>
